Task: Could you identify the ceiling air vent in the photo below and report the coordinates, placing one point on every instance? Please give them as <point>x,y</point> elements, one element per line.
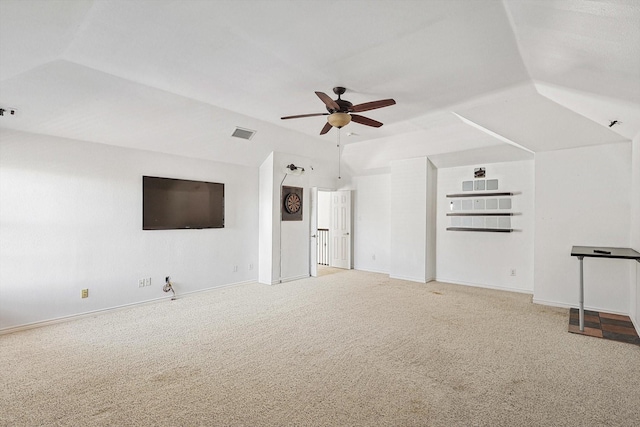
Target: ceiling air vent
<point>243,133</point>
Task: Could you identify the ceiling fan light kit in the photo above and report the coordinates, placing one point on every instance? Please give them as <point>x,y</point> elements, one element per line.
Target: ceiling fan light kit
<point>339,120</point>
<point>340,111</point>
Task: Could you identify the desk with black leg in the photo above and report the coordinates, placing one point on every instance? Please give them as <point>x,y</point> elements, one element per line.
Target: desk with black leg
<point>598,252</point>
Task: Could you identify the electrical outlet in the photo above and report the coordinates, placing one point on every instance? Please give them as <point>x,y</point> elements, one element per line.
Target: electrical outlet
<point>85,293</point>
<point>147,281</point>
<point>513,271</point>
<point>141,283</point>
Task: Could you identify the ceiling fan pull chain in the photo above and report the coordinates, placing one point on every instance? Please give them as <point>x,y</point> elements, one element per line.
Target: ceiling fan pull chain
<point>339,156</point>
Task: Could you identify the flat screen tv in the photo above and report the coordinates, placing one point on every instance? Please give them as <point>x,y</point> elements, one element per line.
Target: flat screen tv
<point>171,204</point>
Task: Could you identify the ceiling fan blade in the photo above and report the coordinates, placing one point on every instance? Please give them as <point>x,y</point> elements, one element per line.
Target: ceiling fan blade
<point>372,105</point>
<point>304,115</point>
<point>365,121</point>
<point>326,128</point>
<point>330,103</point>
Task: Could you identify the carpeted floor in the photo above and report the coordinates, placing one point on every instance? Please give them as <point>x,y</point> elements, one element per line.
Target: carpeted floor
<point>345,349</point>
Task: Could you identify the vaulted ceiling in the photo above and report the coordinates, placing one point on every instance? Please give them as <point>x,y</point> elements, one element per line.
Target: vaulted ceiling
<point>474,81</point>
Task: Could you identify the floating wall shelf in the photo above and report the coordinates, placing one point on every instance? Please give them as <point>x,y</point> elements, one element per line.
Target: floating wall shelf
<point>479,194</point>
<point>481,211</point>
<point>481,214</point>
<point>486,230</point>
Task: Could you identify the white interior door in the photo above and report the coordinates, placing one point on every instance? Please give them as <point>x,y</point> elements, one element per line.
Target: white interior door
<point>340,229</point>
<point>313,232</point>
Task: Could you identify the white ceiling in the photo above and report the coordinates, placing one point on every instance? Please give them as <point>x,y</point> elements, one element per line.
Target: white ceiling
<point>179,76</point>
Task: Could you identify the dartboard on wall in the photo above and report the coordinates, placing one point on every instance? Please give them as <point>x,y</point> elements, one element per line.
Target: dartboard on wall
<point>291,206</point>
<point>292,203</point>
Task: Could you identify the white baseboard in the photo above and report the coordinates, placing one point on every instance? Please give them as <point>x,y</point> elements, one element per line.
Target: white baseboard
<point>287,279</point>
<point>291,279</point>
<point>368,270</point>
<point>586,307</point>
<point>409,279</point>
<point>62,319</point>
<point>482,285</point>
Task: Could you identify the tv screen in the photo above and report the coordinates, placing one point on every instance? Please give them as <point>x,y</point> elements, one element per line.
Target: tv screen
<point>170,204</point>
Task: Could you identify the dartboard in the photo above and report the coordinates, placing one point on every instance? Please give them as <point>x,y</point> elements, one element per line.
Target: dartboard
<point>292,203</point>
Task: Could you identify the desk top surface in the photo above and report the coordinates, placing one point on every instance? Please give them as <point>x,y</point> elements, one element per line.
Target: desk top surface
<point>588,251</point>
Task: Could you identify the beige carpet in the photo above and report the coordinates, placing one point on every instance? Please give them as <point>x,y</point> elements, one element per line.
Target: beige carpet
<point>345,349</point>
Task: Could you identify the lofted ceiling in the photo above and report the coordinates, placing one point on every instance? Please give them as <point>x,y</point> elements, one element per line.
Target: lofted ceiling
<point>474,81</point>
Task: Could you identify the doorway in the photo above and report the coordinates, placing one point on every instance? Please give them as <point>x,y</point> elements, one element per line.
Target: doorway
<point>330,230</point>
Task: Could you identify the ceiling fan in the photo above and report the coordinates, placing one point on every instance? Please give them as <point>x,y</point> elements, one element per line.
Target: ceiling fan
<point>340,111</point>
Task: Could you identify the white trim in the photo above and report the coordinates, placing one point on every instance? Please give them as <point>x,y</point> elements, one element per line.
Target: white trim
<point>492,133</point>
<point>410,279</point>
<point>481,285</point>
<point>368,270</point>
<point>71,317</point>
<point>290,279</point>
<point>565,305</point>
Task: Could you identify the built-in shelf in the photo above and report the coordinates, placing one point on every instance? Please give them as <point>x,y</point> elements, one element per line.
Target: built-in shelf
<point>481,214</point>
<point>479,194</point>
<point>486,230</point>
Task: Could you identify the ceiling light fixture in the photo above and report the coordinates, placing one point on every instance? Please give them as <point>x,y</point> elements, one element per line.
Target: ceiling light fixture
<point>338,120</point>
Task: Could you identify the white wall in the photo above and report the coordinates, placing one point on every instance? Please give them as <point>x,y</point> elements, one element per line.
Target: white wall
<point>409,220</point>
<point>583,198</point>
<point>432,219</point>
<point>372,210</point>
<point>267,223</point>
<point>295,235</point>
<point>324,209</point>
<point>71,218</point>
<point>635,230</point>
<point>486,259</point>
<point>284,245</point>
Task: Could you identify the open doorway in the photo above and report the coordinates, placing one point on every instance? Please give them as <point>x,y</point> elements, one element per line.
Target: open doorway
<point>324,216</point>
<point>331,231</point>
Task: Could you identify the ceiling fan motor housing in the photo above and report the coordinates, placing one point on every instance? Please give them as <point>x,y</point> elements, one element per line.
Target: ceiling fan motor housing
<point>345,106</point>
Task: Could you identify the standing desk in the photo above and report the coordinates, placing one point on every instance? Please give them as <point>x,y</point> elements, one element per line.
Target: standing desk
<point>598,252</point>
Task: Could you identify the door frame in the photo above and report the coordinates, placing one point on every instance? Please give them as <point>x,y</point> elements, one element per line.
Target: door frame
<point>313,228</point>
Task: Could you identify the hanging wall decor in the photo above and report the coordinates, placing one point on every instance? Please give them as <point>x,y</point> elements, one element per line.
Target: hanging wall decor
<point>291,203</point>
